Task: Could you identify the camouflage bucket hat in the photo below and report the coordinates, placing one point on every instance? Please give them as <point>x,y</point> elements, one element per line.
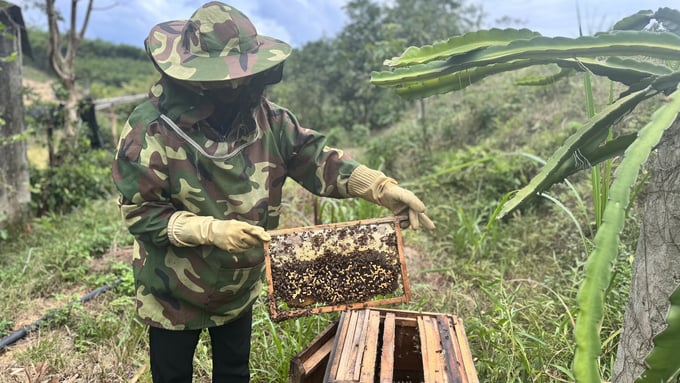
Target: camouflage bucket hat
<point>218,43</point>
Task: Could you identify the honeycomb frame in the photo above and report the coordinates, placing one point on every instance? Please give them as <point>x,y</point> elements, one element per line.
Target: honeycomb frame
<point>348,256</point>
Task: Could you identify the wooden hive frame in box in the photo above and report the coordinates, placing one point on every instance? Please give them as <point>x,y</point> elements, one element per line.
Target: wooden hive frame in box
<point>371,251</point>
<point>386,346</point>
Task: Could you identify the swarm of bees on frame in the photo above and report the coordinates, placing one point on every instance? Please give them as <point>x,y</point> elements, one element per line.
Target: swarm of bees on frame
<point>332,266</point>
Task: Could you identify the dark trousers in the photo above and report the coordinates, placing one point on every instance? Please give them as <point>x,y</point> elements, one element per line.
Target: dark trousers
<point>172,352</point>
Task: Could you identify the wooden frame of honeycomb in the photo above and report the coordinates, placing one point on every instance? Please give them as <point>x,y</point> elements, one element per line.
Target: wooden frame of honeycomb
<point>335,267</point>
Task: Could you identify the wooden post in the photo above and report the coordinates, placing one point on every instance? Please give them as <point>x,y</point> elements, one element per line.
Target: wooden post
<point>114,127</point>
<point>15,195</point>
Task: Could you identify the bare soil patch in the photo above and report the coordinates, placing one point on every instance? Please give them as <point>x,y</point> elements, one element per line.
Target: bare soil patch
<point>38,91</point>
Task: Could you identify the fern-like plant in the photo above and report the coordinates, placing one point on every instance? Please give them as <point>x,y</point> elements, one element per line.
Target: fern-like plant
<point>622,56</point>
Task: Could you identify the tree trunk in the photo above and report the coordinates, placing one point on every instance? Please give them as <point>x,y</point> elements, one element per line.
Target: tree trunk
<point>656,269</point>
<point>14,182</point>
<point>71,117</point>
<point>62,61</point>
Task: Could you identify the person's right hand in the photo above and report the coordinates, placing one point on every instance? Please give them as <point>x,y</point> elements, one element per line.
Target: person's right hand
<point>186,229</point>
<point>237,236</point>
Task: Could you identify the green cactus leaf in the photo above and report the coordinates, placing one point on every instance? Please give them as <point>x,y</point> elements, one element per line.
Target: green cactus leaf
<point>458,45</point>
<point>591,156</point>
<point>663,84</point>
<point>457,80</point>
<point>625,71</point>
<point>592,132</point>
<point>621,43</point>
<point>662,361</point>
<point>544,80</point>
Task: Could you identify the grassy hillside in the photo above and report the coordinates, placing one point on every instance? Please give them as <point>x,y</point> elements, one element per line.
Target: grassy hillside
<point>104,69</point>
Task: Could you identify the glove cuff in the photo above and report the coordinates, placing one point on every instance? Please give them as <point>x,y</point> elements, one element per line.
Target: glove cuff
<point>186,229</point>
<point>368,184</point>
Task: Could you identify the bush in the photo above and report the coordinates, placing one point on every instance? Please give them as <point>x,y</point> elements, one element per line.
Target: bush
<point>84,176</point>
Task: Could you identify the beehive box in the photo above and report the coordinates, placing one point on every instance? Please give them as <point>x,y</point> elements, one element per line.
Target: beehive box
<point>309,366</point>
<point>380,345</point>
<point>335,267</point>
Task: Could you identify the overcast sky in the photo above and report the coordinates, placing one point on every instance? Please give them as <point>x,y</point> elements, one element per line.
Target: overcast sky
<point>300,21</point>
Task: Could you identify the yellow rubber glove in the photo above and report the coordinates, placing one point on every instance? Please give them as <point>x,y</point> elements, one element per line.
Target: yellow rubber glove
<point>186,229</point>
<point>374,186</point>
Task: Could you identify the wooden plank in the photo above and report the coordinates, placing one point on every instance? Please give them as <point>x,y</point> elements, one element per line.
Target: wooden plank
<point>437,354</point>
<point>459,353</point>
<point>360,346</point>
<point>341,334</point>
<point>424,350</point>
<point>273,312</point>
<point>347,349</point>
<point>468,362</point>
<point>405,314</point>
<point>278,316</point>
<point>363,222</point>
<point>371,351</point>
<point>406,322</point>
<point>451,363</point>
<point>317,357</point>
<point>387,354</point>
<point>310,358</point>
<point>105,103</point>
<point>402,262</point>
<point>351,355</point>
<point>429,348</point>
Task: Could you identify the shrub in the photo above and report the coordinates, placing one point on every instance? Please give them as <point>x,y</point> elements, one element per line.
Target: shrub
<point>82,177</point>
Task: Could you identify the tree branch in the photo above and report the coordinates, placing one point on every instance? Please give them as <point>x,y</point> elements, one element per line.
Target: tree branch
<point>54,47</point>
<point>72,37</point>
<point>87,19</point>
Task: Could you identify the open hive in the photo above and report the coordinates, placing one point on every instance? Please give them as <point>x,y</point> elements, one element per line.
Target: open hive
<point>335,267</point>
<point>380,345</point>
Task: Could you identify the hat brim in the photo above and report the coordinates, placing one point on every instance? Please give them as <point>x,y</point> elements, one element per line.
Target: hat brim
<point>163,46</point>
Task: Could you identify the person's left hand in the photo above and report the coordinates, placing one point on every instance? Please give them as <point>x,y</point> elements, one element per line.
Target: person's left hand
<point>375,186</point>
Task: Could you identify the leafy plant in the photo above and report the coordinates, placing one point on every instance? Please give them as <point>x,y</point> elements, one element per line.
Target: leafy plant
<point>462,60</point>
<point>334,210</point>
<point>85,176</point>
<point>3,230</point>
<point>5,326</point>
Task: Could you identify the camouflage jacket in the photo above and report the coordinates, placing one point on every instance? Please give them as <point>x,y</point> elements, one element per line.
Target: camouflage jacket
<point>240,176</point>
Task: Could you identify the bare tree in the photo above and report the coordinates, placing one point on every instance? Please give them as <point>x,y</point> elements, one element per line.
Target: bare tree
<point>62,55</point>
